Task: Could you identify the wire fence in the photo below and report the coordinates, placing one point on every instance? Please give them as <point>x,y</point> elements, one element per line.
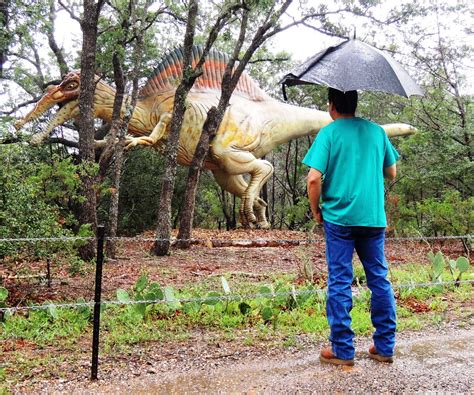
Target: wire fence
<point>223,241</point>
<point>220,298</point>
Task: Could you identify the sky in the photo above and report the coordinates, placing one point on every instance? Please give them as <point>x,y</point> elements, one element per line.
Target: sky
<point>300,41</point>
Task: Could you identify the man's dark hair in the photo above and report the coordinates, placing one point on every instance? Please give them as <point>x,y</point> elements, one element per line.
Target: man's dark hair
<point>345,103</point>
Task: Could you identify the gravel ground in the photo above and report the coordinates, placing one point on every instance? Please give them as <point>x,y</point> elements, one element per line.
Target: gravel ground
<point>438,361</point>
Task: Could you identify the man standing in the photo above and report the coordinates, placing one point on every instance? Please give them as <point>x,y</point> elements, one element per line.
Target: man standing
<point>349,160</point>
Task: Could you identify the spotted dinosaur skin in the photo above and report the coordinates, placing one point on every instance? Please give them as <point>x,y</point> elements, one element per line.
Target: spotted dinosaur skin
<point>253,125</point>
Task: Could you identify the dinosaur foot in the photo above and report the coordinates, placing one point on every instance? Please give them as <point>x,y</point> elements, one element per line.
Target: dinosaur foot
<point>263,225</point>
<point>253,216</point>
<point>134,141</point>
<point>257,225</point>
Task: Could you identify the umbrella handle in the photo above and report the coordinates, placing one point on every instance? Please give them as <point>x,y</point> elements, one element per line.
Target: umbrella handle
<point>283,88</point>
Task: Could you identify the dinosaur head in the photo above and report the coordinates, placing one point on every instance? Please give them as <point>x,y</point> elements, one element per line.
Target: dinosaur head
<point>61,94</point>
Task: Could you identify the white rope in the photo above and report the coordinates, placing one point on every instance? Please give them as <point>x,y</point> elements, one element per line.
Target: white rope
<point>230,297</point>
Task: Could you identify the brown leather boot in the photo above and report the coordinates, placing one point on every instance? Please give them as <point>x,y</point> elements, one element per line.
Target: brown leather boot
<point>328,356</point>
<point>375,355</point>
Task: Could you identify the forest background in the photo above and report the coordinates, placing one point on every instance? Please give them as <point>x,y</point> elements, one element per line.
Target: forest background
<point>43,189</point>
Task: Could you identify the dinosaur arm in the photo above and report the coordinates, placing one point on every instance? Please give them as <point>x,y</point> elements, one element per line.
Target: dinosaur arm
<point>158,133</point>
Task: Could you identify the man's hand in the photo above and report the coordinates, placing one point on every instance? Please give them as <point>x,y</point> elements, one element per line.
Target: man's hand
<point>318,216</point>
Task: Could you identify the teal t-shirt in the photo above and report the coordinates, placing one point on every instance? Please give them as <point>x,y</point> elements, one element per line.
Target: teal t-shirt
<point>351,153</point>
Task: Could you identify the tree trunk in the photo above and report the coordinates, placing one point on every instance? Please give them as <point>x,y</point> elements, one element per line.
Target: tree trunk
<point>213,120</point>
<point>88,213</point>
<point>163,231</point>
<point>272,205</point>
<point>4,9</point>
<point>121,125</point>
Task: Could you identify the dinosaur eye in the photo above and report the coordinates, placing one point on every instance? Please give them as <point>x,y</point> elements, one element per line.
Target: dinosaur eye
<point>71,85</point>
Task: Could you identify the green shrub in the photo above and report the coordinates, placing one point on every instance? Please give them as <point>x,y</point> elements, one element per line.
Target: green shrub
<point>36,197</point>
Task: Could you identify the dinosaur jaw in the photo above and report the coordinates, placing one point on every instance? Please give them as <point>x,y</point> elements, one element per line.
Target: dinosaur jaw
<point>69,111</point>
<point>52,97</point>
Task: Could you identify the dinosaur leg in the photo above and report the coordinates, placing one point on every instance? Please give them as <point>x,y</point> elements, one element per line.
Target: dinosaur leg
<point>236,185</point>
<point>240,162</point>
<point>157,133</point>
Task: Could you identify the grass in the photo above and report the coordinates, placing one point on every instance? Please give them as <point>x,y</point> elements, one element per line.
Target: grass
<point>271,320</point>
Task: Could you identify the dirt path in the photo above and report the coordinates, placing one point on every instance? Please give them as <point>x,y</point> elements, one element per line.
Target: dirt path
<point>436,361</point>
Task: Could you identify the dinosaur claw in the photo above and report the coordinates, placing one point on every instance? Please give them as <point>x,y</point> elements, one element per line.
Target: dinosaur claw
<point>134,141</point>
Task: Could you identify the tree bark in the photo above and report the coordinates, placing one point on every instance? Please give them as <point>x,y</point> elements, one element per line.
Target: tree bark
<point>4,9</point>
<point>88,213</point>
<point>163,231</point>
<point>163,234</point>
<point>118,127</point>
<point>214,118</point>
<point>58,52</point>
<point>119,124</point>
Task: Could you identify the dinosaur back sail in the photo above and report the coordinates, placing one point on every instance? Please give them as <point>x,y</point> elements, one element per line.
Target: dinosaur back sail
<point>168,73</point>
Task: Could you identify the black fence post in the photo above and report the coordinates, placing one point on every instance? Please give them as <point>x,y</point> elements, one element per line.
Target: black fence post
<point>48,271</point>
<point>97,301</point>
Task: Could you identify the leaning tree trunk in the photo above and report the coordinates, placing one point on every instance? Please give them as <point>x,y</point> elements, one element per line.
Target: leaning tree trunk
<point>214,118</point>
<point>88,215</point>
<point>163,234</point>
<point>209,130</point>
<point>163,231</point>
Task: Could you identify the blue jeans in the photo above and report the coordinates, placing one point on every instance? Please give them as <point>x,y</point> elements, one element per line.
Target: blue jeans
<point>369,245</point>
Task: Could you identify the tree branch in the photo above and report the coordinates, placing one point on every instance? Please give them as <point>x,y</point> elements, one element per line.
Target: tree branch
<point>271,60</point>
<point>69,11</point>
<point>21,105</point>
<point>63,141</point>
<point>58,53</point>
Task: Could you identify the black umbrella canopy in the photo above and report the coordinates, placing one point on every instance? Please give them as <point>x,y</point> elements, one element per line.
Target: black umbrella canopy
<point>354,65</point>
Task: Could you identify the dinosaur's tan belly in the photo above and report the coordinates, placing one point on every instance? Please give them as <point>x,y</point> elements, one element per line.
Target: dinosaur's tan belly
<point>188,141</point>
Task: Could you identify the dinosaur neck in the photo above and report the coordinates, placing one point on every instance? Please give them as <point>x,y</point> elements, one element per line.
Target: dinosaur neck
<point>104,104</point>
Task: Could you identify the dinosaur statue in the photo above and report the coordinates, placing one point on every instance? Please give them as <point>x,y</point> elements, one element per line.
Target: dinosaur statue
<point>253,124</point>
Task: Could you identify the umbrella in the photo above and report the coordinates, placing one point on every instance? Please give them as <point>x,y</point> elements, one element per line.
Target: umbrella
<point>353,65</point>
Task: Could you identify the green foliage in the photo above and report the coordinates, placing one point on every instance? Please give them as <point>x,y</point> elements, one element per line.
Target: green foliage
<point>119,30</point>
<point>145,293</point>
<point>279,309</point>
<point>36,198</point>
<point>3,300</point>
<point>46,326</point>
<point>139,193</point>
<point>298,214</point>
<point>208,210</point>
<point>360,277</point>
